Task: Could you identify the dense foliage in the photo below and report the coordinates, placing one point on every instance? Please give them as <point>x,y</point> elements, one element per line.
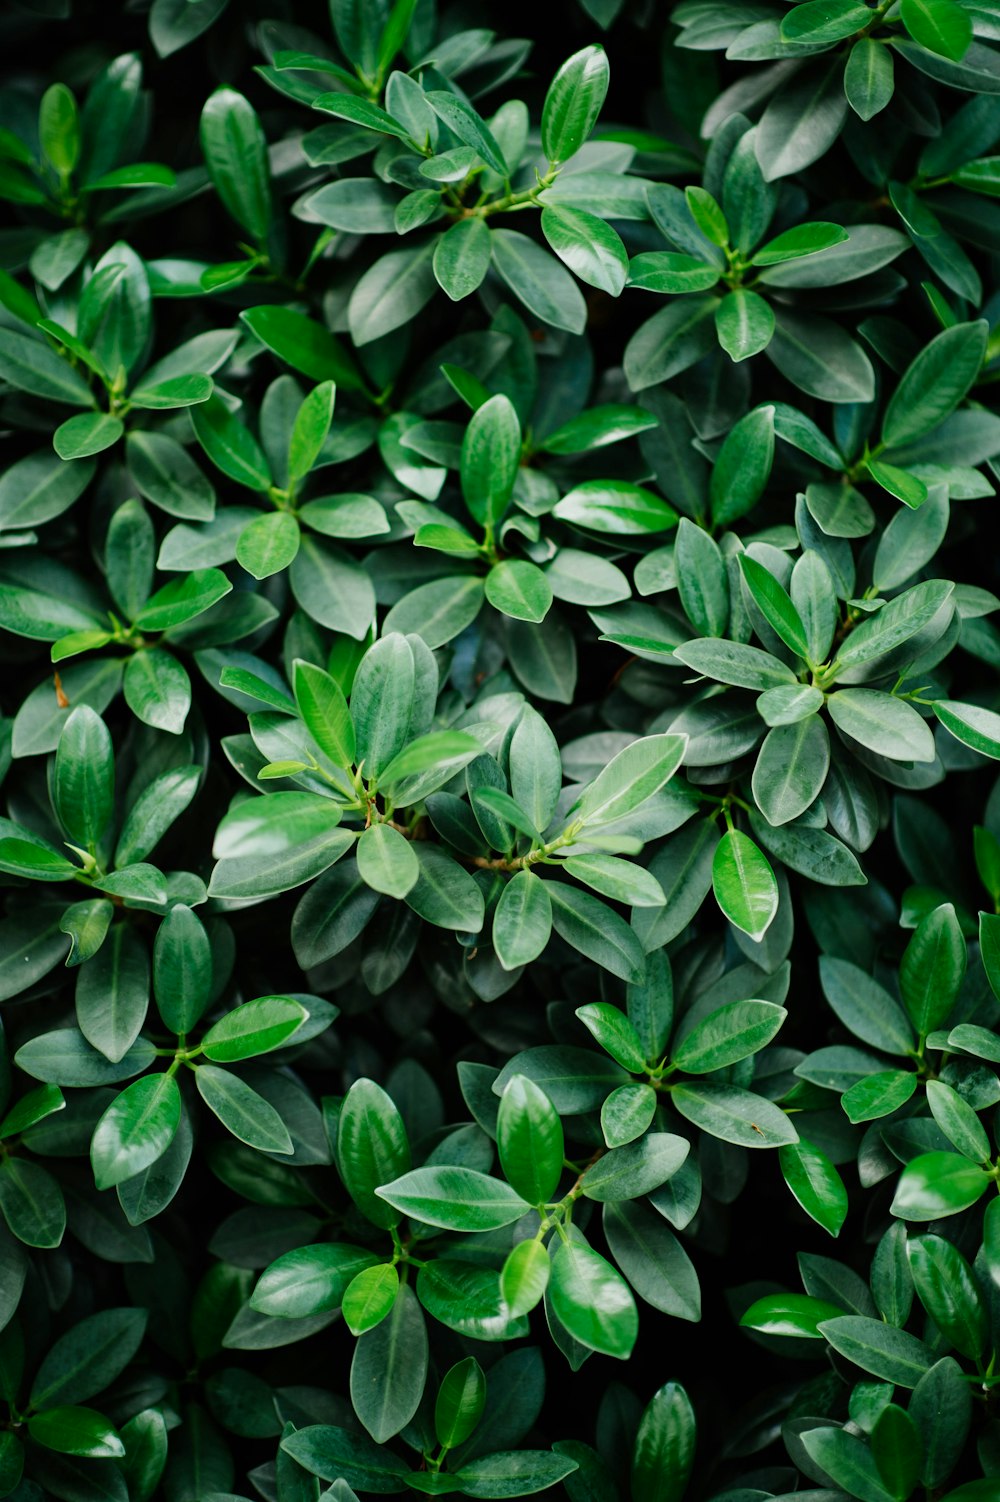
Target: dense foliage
<point>500,946</point>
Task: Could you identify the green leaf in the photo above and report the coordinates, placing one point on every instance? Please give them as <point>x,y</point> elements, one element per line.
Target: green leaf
<point>88,1357</point>
<point>803,240</point>
<point>468,126</point>
<point>821,21</point>
<point>735,663</point>
<point>615,1033</point>
<point>491,455</point>
<point>596,427</point>
<point>668,271</point>
<point>540,282</point>
<point>897,1449</point>
<point>802,121</point>
<point>616,507</point>
<point>846,1460</point>
<point>701,579</point>
<point>977,728</point>
<point>638,772</point>
<point>932,969</point>
<point>947,1288</point>
<point>593,1301</point>
<point>864,1006</point>
<point>254,1028</point>
<point>734,1032</point>
<point>707,215</point>
<point>338,1454</point>
<point>573,103</point>
<point>389,1369</point>
<point>818,357</point>
<point>236,157</point>
<point>942,26</point>
<point>370,1296</point>
<point>774,604</point>
<point>273,844</point>
<point>426,763</point>
<point>165,474</point>
<point>462,258</point>
<point>522,920</point>
<point>230,445</point>
<point>324,712</point>
<point>157,690</point>
<point>879,1094</point>
<point>310,1279</point>
<point>791,769</point>
<point>249,1117</point>
<point>530,1140</point>
<point>38,1104</point>
<point>744,884</point>
<point>59,128</point>
<point>176,391</point>
<point>795,1314</point>
<point>386,861</point>
<point>887,1353</point>
<point>32,1203</point>
<point>391,293</point>
<point>743,466</point>
<point>937,1184</point>
<point>112,993</point>
<point>268,544</point>
<point>734,1115</point>
<point>895,623</point>
<point>456,1199</point>
<point>890,727</point>
<point>136,1129</point>
<point>310,430</point>
<point>76,1431</point>
<point>513,1473</point>
<point>869,77</point>
<point>303,344</point>
<point>460,1402</point>
<point>591,249</point>
<point>595,930</point>
<point>372,1149</point>
<point>33,366</point>
<point>629,1172</point>
<point>958,1121</point>
<point>934,384</point>
<point>815,1183</point>
<point>663,1452</point>
<point>744,323</point>
<point>89,433</point>
<point>381,701</point>
<point>524,1277</point>
<point>626,1113</point>
<point>444,894</point>
<point>84,778</point>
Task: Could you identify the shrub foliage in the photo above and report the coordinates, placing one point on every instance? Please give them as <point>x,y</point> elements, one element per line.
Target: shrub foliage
<point>500,858</point>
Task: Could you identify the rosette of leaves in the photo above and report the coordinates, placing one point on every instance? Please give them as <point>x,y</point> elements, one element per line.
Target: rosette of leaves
<point>42,600</point>
<point>101,367</point>
<point>48,1393</point>
<point>463,825</point>
<point>813,805</point>
<point>450,1441</point>
<point>903,1405</point>
<point>412,1258</point>
<point>439,162</point>
<point>840,63</point>
<point>60,166</point>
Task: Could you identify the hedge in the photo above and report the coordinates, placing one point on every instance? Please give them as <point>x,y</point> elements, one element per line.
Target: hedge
<point>500,947</point>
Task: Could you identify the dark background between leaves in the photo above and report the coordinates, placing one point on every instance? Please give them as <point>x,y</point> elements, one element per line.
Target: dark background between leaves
<point>727,1375</point>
